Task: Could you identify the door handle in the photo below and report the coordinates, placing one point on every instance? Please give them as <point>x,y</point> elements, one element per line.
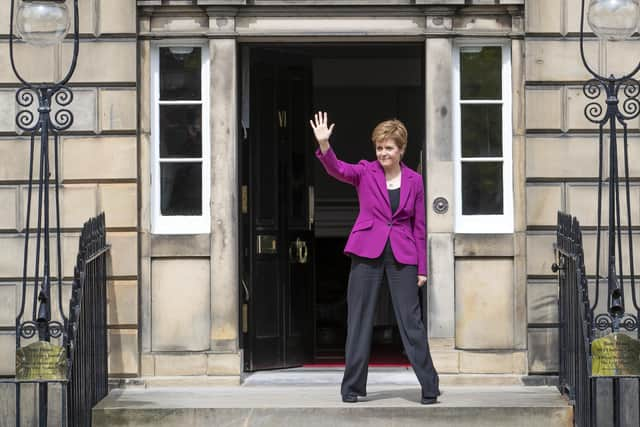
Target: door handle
<point>312,206</point>
<point>247,295</point>
<point>282,119</point>
<point>303,251</point>
<point>298,252</point>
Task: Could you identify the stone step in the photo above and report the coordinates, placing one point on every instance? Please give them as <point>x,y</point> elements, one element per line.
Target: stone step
<point>382,376</point>
<point>313,405</point>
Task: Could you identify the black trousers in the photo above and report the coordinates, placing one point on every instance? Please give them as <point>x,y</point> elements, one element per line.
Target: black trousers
<point>365,279</point>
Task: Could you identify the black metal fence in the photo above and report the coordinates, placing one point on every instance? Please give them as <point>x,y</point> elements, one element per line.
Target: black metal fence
<point>84,338</point>
<point>86,331</point>
<point>598,401</point>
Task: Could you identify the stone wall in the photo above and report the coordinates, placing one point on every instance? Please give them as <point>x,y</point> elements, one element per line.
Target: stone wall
<point>562,154</point>
<point>555,168</point>
<point>98,166</point>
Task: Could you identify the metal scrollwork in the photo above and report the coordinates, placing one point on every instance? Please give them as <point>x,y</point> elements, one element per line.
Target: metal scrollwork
<point>62,119</point>
<point>630,322</point>
<point>63,96</point>
<point>592,89</point>
<point>28,329</point>
<point>604,321</point>
<point>55,329</point>
<point>631,105</point>
<point>593,111</point>
<point>25,119</point>
<point>25,97</point>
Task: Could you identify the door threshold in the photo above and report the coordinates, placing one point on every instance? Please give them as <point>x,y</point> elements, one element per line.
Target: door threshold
<point>341,365</point>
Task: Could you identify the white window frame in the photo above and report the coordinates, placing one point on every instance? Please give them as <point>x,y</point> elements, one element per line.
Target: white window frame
<point>180,224</point>
<point>484,224</point>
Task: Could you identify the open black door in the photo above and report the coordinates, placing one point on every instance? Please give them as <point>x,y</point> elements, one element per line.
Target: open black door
<point>279,333</point>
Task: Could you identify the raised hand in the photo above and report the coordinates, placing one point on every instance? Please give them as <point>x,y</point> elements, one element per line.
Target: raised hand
<point>320,129</point>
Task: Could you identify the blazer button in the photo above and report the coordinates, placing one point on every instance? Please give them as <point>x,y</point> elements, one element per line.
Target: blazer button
<point>389,224</point>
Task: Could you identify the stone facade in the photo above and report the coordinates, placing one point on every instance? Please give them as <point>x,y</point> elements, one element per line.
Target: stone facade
<point>173,299</point>
<point>561,155</point>
<point>453,257</point>
<point>98,165</point>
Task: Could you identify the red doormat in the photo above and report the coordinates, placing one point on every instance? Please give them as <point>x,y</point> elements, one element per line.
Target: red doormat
<point>341,365</point>
<point>378,359</point>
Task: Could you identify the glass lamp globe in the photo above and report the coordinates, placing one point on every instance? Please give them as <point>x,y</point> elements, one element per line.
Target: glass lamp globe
<point>613,19</point>
<point>42,22</point>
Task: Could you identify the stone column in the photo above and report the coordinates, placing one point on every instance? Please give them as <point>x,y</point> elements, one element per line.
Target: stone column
<point>439,166</point>
<point>224,188</point>
<point>519,185</point>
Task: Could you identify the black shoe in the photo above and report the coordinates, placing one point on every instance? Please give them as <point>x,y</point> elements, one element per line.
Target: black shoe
<point>350,398</point>
<point>429,400</point>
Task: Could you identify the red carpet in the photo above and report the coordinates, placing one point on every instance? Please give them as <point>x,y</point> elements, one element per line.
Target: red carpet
<point>379,358</point>
<point>341,364</point>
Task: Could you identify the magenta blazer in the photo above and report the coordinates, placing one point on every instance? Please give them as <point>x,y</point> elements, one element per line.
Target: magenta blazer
<point>375,223</point>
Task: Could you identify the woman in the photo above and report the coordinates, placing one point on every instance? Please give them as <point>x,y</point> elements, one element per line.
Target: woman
<point>387,239</point>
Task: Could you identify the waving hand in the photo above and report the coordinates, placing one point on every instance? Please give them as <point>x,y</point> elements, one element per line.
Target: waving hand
<point>320,129</point>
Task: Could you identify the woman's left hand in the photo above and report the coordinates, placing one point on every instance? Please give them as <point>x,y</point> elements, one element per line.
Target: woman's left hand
<point>421,280</point>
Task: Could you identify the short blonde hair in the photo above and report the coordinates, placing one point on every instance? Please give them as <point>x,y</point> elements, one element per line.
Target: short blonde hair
<point>390,129</point>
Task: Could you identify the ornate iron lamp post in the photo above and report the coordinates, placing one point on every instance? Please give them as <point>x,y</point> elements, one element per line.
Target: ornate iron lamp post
<point>613,20</point>
<point>42,23</point>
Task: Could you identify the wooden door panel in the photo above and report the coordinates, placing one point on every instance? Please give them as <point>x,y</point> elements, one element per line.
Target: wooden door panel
<point>280,151</point>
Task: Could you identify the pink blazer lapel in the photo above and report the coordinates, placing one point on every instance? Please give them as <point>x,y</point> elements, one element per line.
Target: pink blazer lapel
<point>381,183</point>
<point>405,187</point>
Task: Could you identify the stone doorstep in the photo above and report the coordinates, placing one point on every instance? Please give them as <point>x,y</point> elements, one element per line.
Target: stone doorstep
<point>320,405</point>
<point>387,376</point>
<point>416,416</point>
<point>328,377</point>
<point>175,381</point>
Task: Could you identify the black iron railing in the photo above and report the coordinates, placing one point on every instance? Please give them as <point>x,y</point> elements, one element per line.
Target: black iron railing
<point>86,330</point>
<point>598,401</point>
<point>83,333</point>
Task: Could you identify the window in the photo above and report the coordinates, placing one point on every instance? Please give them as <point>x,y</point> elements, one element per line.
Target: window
<point>482,138</point>
<point>180,183</point>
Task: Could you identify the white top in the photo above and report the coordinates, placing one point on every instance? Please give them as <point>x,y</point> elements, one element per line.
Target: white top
<point>394,183</point>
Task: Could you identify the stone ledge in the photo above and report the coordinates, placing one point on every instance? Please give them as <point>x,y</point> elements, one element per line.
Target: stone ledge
<point>187,381</point>
<point>438,416</point>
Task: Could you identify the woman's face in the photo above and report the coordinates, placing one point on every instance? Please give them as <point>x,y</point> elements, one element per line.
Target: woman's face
<point>388,153</point>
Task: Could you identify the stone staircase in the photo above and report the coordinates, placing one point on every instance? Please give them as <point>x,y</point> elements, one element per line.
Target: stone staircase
<point>310,397</point>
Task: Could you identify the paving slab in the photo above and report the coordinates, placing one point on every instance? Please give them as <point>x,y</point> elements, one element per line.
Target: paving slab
<point>324,396</point>
<point>268,400</point>
<point>379,375</point>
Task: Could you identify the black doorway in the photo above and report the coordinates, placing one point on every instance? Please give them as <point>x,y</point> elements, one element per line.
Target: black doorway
<point>359,85</point>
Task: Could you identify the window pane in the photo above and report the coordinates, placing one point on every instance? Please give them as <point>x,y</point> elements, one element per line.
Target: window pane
<point>480,72</point>
<point>482,188</point>
<point>180,189</point>
<point>180,131</point>
<point>180,73</point>
<point>481,130</point>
